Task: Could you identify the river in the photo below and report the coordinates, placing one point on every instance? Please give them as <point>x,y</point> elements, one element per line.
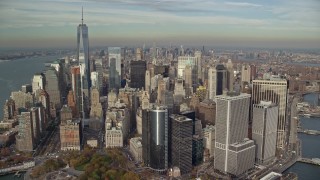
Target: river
<point>15,73</point>
<point>310,146</point>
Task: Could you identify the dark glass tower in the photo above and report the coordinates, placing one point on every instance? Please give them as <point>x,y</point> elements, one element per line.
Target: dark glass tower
<point>155,138</point>
<point>137,74</point>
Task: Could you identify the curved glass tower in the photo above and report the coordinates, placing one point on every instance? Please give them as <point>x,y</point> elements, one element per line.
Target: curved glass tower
<point>155,138</point>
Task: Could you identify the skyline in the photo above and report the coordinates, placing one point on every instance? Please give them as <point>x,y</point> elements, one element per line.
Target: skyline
<point>278,24</point>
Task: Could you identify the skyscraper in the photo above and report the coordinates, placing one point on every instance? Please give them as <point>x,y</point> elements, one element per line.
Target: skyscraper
<point>181,142</point>
<point>53,88</point>
<point>83,54</point>
<point>76,89</point>
<point>38,82</point>
<point>264,131</point>
<point>155,138</point>
<point>217,80</point>
<point>233,152</point>
<point>115,67</point>
<point>137,74</point>
<point>230,75</point>
<point>24,139</point>
<point>276,92</point>
<point>245,74</point>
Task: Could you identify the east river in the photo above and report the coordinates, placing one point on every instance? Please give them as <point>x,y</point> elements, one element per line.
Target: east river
<point>15,73</point>
<point>310,146</point>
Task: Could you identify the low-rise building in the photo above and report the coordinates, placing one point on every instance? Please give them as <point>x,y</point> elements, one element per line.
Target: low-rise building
<point>136,148</point>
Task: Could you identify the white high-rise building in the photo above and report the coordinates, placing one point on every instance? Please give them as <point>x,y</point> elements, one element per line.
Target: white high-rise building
<point>183,61</point>
<point>264,131</point>
<point>233,152</point>
<point>38,81</point>
<point>245,73</point>
<point>276,92</point>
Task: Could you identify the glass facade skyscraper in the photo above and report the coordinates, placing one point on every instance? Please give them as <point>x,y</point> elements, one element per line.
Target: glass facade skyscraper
<point>83,58</point>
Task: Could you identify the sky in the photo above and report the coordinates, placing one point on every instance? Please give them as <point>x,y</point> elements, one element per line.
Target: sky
<point>248,23</point>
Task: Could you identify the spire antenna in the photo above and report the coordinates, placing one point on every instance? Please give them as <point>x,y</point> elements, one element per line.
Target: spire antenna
<point>82,16</point>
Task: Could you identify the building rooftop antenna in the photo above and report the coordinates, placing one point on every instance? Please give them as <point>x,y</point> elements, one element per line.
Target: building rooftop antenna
<point>82,16</point>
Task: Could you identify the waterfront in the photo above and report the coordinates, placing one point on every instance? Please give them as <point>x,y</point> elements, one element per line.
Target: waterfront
<point>310,146</point>
<point>17,72</point>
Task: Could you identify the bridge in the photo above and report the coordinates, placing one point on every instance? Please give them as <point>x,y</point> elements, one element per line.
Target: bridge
<point>307,131</point>
<point>313,161</point>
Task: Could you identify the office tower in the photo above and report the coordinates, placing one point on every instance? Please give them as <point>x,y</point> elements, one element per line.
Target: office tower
<point>155,139</point>
<point>136,148</point>
<point>96,82</point>
<point>42,117</point>
<point>100,70</point>
<point>162,88</point>
<point>198,56</point>
<point>245,73</point>
<point>253,72</point>
<point>207,112</point>
<point>24,139</point>
<point>112,99</point>
<point>179,91</point>
<point>72,104</point>
<point>139,120</point>
<point>22,99</point>
<point>217,80</point>
<point>183,61</point>
<point>96,107</point>
<point>35,116</point>
<point>76,89</point>
<point>139,54</point>
<point>191,115</point>
<point>129,96</point>
<point>188,76</point>
<point>52,87</point>
<point>27,88</point>
<point>114,67</point>
<point>276,92</point>
<point>162,69</point>
<point>230,75</point>
<point>137,74</point>
<point>264,131</point>
<point>181,142</point>
<point>209,139</point>
<point>65,114</point>
<point>83,56</point>
<point>197,150</point>
<point>70,135</point>
<point>9,110</point>
<point>233,152</point>
<point>44,98</point>
<point>147,81</point>
<point>145,100</point>
<point>38,82</point>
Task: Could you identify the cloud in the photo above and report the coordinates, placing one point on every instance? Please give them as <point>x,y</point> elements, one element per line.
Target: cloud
<point>243,4</point>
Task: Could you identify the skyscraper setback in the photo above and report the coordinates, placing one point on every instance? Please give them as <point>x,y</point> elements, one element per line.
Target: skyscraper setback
<point>276,92</point>
<point>234,153</point>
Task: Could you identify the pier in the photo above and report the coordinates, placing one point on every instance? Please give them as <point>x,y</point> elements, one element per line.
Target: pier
<point>307,131</point>
<point>313,161</point>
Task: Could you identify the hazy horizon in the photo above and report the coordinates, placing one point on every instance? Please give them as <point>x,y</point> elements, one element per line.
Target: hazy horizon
<point>270,24</point>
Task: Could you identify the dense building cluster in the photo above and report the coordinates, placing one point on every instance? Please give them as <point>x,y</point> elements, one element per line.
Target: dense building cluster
<point>176,108</point>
